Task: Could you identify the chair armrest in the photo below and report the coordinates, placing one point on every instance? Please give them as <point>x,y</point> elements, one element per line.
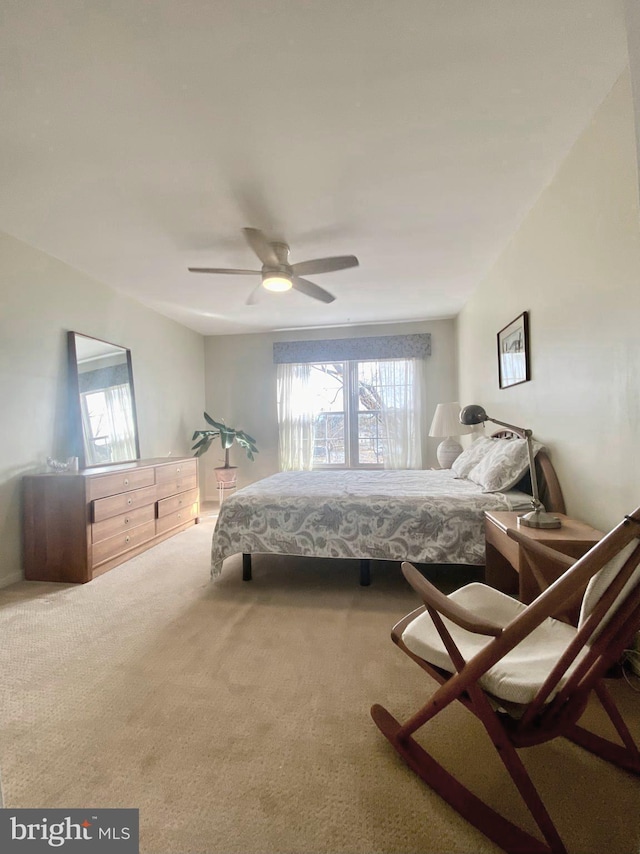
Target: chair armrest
<point>541,550</point>
<point>433,598</point>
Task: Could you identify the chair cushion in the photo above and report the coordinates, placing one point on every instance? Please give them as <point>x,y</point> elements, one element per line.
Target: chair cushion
<point>601,581</point>
<point>519,675</point>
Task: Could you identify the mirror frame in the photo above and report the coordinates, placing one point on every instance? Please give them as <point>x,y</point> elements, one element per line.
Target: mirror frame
<point>77,434</point>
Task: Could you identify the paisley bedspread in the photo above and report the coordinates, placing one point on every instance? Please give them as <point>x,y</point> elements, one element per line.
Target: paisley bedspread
<point>421,516</point>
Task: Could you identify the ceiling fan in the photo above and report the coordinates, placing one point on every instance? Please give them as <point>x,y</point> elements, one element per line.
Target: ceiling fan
<point>277,274</point>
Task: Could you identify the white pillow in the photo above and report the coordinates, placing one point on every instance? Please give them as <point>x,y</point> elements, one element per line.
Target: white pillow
<point>470,457</point>
<point>503,465</point>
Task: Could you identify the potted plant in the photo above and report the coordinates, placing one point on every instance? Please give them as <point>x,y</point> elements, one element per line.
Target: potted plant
<point>224,474</point>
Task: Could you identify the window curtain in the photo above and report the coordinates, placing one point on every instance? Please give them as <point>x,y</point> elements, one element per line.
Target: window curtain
<point>401,391</point>
<point>296,417</point>
<point>120,422</point>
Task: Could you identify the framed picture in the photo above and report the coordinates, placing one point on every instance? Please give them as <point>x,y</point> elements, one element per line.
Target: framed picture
<point>513,352</point>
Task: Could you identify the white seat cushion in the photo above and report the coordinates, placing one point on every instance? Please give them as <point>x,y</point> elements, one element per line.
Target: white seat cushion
<point>518,676</point>
<point>601,581</point>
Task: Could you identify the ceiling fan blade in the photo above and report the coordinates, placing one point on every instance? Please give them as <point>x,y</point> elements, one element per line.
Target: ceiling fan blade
<point>309,289</point>
<point>324,265</point>
<point>223,270</point>
<point>261,246</point>
<point>252,299</point>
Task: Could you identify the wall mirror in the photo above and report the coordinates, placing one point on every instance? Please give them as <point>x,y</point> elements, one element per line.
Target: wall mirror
<point>101,385</point>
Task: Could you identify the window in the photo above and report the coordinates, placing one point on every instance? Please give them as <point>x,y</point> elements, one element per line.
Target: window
<point>349,422</point>
<point>359,414</point>
<point>108,424</point>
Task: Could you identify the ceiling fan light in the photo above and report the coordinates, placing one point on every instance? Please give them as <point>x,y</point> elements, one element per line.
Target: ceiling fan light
<point>277,282</point>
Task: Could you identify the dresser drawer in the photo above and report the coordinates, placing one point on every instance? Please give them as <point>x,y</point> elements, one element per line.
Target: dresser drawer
<point>177,502</point>
<point>122,542</point>
<point>180,517</point>
<point>114,505</point>
<point>177,470</point>
<point>125,481</point>
<point>124,522</point>
<point>174,486</point>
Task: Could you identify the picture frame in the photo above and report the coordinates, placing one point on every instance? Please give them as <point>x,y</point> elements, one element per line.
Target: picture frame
<point>513,352</point>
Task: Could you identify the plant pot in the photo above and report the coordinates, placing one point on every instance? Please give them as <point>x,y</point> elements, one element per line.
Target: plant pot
<point>226,475</point>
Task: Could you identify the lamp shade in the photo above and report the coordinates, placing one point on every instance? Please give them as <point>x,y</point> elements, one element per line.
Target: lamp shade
<point>446,421</point>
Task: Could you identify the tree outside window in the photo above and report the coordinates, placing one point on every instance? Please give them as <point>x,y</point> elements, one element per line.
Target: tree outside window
<point>353,402</point>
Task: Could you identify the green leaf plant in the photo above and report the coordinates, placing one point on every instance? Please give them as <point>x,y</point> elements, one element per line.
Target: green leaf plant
<point>227,438</point>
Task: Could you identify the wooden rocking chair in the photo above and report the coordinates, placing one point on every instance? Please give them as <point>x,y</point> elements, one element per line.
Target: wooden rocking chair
<point>525,673</point>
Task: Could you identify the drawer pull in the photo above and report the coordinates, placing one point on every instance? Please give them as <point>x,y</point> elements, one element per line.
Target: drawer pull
<point>126,520</point>
<point>126,481</point>
<point>179,515</point>
<point>127,538</point>
<point>178,470</point>
<point>130,501</point>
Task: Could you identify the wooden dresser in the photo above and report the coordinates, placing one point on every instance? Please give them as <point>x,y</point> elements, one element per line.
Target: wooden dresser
<point>76,526</point>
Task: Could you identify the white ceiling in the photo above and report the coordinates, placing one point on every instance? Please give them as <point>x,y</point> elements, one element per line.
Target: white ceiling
<point>138,138</point>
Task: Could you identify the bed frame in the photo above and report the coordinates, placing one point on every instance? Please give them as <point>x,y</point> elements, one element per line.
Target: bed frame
<point>548,489</point>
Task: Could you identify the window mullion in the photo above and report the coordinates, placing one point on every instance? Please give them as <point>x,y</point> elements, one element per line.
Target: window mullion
<point>345,404</point>
<point>353,406</point>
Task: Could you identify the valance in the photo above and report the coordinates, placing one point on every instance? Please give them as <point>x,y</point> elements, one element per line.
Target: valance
<point>351,349</point>
<point>102,378</point>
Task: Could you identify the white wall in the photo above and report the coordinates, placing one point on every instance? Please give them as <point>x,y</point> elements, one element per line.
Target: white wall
<point>40,299</point>
<point>574,264</point>
<point>241,388</point>
<point>632,13</point>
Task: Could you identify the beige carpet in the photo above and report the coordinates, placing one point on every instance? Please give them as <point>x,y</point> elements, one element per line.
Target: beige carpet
<point>235,715</point>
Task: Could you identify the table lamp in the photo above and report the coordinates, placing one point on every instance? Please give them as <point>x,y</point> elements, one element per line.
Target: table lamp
<point>538,517</point>
<point>446,422</point>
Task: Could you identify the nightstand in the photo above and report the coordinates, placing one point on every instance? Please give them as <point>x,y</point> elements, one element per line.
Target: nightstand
<point>507,568</point>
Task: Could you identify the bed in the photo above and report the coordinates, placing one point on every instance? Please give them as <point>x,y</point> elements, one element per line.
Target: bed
<point>431,516</point>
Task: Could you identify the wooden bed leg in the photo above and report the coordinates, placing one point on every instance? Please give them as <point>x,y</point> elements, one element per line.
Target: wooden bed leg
<point>246,567</point>
<point>365,572</point>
